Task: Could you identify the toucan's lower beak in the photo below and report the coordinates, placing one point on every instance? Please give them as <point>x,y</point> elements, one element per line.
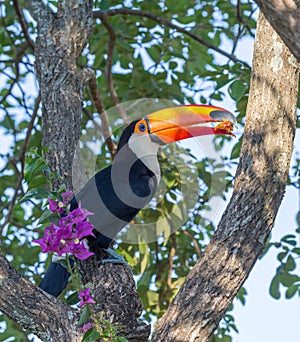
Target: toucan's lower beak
<point>182,122</point>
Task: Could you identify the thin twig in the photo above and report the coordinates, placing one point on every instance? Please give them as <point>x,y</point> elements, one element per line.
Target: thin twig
<point>23,23</point>
<point>28,133</point>
<point>103,116</point>
<point>127,11</point>
<point>171,262</point>
<point>111,88</point>
<point>21,158</point>
<point>241,19</point>
<point>197,248</point>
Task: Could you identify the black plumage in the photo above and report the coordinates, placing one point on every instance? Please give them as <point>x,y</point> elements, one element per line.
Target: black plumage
<point>117,193</point>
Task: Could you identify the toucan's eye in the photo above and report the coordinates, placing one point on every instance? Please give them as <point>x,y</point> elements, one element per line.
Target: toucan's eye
<point>142,127</point>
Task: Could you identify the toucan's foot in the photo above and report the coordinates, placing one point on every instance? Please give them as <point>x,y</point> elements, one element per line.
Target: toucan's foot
<point>113,257</point>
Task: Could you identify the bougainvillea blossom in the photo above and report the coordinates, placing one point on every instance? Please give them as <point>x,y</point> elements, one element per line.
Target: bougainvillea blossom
<point>65,236</point>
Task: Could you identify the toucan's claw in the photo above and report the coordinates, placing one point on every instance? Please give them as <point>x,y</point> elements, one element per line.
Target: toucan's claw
<point>114,257</point>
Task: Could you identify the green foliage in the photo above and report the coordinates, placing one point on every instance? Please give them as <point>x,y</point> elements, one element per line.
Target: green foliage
<point>225,328</point>
<point>150,60</point>
<point>106,332</point>
<point>286,273</point>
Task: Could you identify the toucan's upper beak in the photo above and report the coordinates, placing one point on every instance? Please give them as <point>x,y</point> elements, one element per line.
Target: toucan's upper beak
<point>182,122</point>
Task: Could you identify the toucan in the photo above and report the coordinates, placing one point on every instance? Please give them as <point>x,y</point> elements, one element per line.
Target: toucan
<point>117,193</point>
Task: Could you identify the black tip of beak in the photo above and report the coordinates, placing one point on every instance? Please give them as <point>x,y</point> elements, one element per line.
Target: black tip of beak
<point>221,115</point>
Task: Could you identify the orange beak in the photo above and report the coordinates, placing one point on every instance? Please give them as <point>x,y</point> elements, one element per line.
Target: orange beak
<point>182,122</point>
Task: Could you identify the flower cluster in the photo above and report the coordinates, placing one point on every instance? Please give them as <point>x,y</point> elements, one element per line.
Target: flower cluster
<point>65,236</point>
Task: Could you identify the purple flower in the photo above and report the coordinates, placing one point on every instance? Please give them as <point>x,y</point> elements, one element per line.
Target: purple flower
<point>49,242</point>
<point>86,327</point>
<point>85,297</point>
<point>66,236</point>
<point>84,229</point>
<point>79,250</point>
<point>56,206</point>
<point>66,196</point>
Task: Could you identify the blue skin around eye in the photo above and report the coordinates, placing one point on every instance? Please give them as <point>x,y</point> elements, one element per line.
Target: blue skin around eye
<point>142,127</point>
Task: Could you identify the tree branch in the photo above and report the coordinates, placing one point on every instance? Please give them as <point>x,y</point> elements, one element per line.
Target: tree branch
<point>127,11</point>
<point>21,158</point>
<point>103,115</point>
<point>259,187</point>
<point>44,315</point>
<point>38,10</point>
<point>284,16</point>
<point>196,245</point>
<point>109,78</point>
<point>61,39</point>
<point>23,23</point>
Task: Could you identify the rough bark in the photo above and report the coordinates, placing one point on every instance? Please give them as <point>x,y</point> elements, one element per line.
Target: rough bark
<point>259,187</point>
<point>117,298</point>
<point>45,316</point>
<point>284,16</point>
<point>61,38</point>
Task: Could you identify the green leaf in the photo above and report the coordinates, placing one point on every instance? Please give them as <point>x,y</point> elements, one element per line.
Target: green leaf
<point>290,239</point>
<point>73,299</point>
<point>290,292</point>
<point>237,89</point>
<point>242,295</point>
<point>290,264</point>
<point>145,261</point>
<point>37,182</point>
<point>45,217</point>
<point>222,81</point>
<point>235,153</point>
<point>34,193</point>
<point>152,297</point>
<point>172,65</point>
<point>145,279</point>
<point>296,250</point>
<point>85,315</point>
<point>91,335</point>
<point>274,288</point>
<point>281,255</point>
<point>288,279</point>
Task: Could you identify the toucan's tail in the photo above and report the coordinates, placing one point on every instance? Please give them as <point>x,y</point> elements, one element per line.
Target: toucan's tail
<point>55,280</point>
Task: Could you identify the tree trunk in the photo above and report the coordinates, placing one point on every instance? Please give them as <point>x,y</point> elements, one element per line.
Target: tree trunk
<point>259,187</point>
<point>42,314</point>
<point>284,16</point>
<point>61,38</point>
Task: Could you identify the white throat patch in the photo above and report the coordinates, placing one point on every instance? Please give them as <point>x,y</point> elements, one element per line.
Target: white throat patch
<point>145,150</point>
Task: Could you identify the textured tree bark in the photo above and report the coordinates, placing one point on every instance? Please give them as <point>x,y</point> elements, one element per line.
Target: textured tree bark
<point>117,298</point>
<point>259,187</point>
<point>45,316</point>
<point>284,16</point>
<point>61,38</point>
